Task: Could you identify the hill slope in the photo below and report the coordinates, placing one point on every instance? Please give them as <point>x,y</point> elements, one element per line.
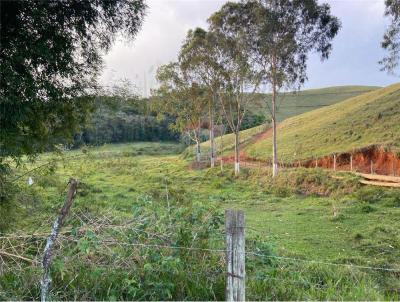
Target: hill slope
<point>371,118</point>
<point>291,104</point>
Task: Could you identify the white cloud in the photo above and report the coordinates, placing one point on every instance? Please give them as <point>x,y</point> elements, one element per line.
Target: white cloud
<point>356,50</point>
<point>158,42</point>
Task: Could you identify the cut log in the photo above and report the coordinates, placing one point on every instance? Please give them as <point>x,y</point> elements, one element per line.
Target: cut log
<point>380,183</point>
<point>380,177</point>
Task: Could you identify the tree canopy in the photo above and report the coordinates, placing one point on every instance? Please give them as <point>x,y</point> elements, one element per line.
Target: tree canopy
<point>278,36</point>
<point>391,38</point>
<point>50,56</point>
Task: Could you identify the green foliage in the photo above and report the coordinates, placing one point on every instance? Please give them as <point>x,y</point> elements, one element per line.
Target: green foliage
<point>181,96</point>
<point>391,37</point>
<point>8,191</point>
<point>117,120</point>
<point>50,56</point>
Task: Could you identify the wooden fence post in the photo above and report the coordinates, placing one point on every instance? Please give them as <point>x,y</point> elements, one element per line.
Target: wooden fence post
<point>351,162</point>
<point>372,167</point>
<point>47,254</point>
<point>393,172</point>
<point>334,162</point>
<point>235,256</point>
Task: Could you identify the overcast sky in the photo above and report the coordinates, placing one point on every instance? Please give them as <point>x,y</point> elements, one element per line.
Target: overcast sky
<point>354,60</point>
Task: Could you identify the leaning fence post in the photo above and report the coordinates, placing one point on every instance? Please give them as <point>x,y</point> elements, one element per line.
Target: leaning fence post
<point>47,254</point>
<point>235,255</point>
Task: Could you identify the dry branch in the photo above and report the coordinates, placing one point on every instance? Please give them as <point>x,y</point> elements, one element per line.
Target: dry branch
<point>380,177</point>
<point>380,183</point>
<point>17,256</point>
<point>47,255</point>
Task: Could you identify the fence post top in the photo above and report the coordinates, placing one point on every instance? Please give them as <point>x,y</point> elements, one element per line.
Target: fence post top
<point>234,218</point>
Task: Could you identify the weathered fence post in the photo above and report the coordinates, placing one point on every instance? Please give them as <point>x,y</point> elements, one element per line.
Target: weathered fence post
<point>372,167</point>
<point>47,254</point>
<point>222,164</point>
<point>393,172</point>
<point>235,256</point>
<point>334,162</point>
<point>351,162</point>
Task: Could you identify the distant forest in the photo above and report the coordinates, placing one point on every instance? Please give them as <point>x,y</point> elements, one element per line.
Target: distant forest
<point>120,120</point>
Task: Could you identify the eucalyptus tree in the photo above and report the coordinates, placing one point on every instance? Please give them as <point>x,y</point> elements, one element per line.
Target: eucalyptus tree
<point>391,38</point>
<point>180,96</point>
<point>199,58</point>
<point>282,33</point>
<point>237,77</point>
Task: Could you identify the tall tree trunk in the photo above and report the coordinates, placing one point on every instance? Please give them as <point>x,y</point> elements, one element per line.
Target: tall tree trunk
<point>237,155</point>
<point>212,141</point>
<point>274,145</point>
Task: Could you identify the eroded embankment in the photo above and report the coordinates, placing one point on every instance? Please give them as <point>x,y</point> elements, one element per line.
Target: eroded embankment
<point>373,159</point>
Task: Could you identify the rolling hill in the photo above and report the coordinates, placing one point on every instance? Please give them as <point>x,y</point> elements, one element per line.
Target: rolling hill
<point>295,103</point>
<point>369,119</point>
<point>291,104</point>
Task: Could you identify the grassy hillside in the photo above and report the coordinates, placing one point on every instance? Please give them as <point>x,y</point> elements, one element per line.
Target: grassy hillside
<point>371,118</point>
<point>227,142</point>
<point>291,104</point>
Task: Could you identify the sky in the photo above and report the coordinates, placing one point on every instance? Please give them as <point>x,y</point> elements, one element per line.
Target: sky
<point>353,61</point>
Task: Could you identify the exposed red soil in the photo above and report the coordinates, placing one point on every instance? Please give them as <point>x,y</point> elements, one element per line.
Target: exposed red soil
<point>373,159</point>
<point>262,135</point>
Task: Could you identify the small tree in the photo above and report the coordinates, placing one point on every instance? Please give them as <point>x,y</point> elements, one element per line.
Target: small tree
<point>282,33</point>
<point>183,98</point>
<point>199,60</point>
<point>391,38</point>
<point>236,74</point>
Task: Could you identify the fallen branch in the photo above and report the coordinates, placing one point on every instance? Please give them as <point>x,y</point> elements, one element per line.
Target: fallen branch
<point>47,254</point>
<point>381,184</point>
<point>380,177</point>
<point>17,256</point>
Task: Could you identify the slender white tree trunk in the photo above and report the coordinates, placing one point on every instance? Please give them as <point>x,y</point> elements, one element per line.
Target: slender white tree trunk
<point>212,141</point>
<point>198,153</point>
<point>237,155</point>
<point>274,145</point>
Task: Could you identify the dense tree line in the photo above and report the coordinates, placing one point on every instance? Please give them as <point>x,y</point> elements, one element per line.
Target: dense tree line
<point>119,121</point>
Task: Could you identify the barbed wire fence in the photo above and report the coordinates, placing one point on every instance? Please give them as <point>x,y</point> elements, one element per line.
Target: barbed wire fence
<point>20,251</point>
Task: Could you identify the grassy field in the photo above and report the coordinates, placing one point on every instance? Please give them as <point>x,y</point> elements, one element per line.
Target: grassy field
<point>291,104</point>
<point>307,225</point>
